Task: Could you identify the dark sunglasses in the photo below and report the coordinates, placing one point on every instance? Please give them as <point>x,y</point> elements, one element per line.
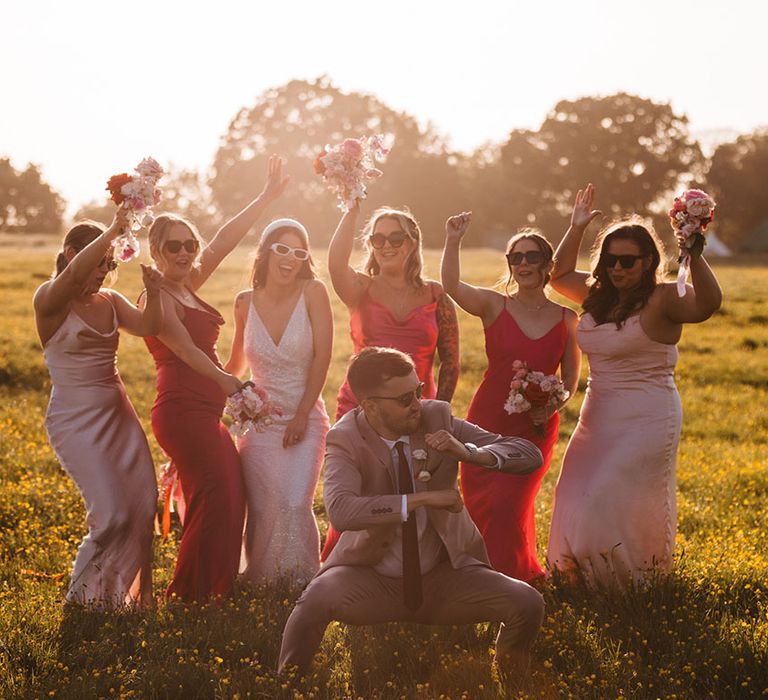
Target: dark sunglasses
<point>626,261</point>
<point>404,400</point>
<point>395,240</point>
<point>532,257</point>
<point>283,250</point>
<point>190,245</point>
<point>109,263</point>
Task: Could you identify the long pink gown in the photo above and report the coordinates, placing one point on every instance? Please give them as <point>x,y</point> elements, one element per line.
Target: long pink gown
<point>614,516</point>
<point>99,441</point>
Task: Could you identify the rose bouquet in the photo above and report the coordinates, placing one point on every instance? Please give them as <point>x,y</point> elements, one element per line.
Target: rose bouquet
<point>138,193</point>
<point>690,215</point>
<point>250,409</point>
<point>346,166</point>
<point>169,488</point>
<point>530,389</point>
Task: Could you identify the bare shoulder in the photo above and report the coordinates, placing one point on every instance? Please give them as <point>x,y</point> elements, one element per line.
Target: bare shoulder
<point>243,297</point>
<point>40,293</point>
<point>315,290</point>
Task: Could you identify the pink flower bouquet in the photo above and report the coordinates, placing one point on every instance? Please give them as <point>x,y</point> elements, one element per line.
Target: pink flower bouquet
<point>250,409</point>
<point>690,215</point>
<point>138,193</point>
<point>529,388</point>
<point>346,166</point>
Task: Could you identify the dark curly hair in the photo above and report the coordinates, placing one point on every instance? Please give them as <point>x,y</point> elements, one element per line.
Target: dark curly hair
<point>603,297</point>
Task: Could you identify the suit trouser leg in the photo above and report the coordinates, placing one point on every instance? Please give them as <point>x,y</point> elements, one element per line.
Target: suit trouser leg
<point>354,595</point>
<point>479,594</point>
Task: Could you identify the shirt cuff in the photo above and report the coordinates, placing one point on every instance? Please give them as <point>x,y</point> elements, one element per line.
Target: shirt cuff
<point>404,508</point>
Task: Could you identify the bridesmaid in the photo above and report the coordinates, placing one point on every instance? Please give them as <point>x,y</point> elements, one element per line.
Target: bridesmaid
<point>392,305</point>
<point>614,516</point>
<point>525,326</point>
<point>91,423</point>
<point>191,392</point>
<point>284,334</point>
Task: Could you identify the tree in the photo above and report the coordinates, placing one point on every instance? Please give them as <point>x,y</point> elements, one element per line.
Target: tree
<point>297,119</point>
<point>27,203</point>
<point>736,178</point>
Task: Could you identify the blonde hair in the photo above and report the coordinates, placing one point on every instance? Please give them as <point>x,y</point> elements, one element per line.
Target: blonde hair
<point>158,234</point>
<point>414,262</point>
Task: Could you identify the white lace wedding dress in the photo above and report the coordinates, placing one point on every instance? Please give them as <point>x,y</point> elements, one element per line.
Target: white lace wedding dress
<point>281,535</point>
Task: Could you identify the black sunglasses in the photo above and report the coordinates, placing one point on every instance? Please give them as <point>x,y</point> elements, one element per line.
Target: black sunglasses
<point>283,250</point>
<point>626,261</point>
<point>404,400</point>
<point>190,245</point>
<point>396,239</point>
<point>532,257</point>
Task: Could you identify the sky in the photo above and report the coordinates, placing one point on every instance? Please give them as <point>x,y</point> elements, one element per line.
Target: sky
<point>91,87</point>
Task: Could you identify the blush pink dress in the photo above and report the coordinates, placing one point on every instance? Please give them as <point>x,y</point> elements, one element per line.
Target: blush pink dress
<point>614,516</point>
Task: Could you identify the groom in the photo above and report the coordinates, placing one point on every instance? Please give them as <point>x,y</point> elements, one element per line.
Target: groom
<point>408,550</point>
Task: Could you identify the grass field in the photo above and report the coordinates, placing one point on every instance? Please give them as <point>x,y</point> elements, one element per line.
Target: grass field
<point>702,632</point>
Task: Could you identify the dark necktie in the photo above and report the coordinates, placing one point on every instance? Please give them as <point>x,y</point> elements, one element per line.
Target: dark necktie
<point>412,595</point>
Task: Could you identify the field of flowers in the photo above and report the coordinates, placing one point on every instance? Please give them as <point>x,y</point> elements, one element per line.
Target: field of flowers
<point>700,633</point>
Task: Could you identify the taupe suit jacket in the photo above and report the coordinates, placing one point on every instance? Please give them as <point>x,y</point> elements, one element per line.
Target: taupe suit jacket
<point>362,500</point>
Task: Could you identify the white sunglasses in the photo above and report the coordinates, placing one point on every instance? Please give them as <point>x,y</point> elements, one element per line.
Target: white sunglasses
<point>283,250</point>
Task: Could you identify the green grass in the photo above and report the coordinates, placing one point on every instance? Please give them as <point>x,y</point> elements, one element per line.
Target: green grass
<point>702,632</point>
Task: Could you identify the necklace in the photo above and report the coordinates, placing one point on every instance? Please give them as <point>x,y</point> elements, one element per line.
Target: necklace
<point>529,307</point>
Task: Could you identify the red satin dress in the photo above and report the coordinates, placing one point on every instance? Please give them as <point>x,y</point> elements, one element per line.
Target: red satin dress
<point>372,324</point>
<point>502,505</point>
<point>186,422</point>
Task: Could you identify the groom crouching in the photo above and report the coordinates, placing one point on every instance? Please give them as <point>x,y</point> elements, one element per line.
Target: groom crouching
<point>408,550</point>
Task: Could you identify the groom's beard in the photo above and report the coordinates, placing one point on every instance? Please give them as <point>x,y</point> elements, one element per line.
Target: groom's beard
<point>409,424</point>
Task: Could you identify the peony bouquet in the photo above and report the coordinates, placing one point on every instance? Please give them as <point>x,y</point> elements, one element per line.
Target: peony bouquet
<point>250,409</point>
<point>346,166</point>
<point>138,193</point>
<point>530,389</point>
<point>690,215</point>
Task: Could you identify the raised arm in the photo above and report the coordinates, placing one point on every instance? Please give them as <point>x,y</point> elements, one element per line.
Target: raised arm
<point>321,318</point>
<point>701,300</point>
<point>231,233</point>
<point>176,337</point>
<point>566,279</point>
<point>237,364</point>
<point>477,301</point>
<point>447,346</point>
<point>347,283</point>
<point>149,320</point>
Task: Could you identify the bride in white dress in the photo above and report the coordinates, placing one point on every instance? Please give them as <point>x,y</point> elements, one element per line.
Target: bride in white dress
<point>284,334</point>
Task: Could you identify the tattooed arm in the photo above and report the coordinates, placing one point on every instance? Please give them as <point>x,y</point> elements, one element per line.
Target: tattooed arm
<point>447,345</point>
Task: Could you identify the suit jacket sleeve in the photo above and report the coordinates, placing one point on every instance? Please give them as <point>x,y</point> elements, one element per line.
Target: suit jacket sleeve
<point>347,508</point>
<point>516,455</point>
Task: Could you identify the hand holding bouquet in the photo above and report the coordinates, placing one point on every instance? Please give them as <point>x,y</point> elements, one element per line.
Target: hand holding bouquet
<point>137,193</point>
<point>250,409</point>
<point>529,389</point>
<point>346,166</point>
<point>690,216</point>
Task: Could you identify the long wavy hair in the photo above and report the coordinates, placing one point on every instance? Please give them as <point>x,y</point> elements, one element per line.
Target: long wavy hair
<point>158,234</point>
<point>414,263</point>
<point>603,298</point>
<point>531,234</point>
<point>261,259</point>
<point>77,238</point>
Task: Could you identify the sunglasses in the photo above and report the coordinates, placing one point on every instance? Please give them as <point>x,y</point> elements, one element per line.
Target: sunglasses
<point>283,250</point>
<point>404,400</point>
<point>190,245</point>
<point>532,257</point>
<point>626,261</point>
<point>395,240</point>
<point>108,262</point>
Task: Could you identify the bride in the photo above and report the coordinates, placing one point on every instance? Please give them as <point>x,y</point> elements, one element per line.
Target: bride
<point>284,333</point>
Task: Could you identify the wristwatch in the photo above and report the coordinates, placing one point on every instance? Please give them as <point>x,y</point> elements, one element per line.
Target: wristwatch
<point>471,450</point>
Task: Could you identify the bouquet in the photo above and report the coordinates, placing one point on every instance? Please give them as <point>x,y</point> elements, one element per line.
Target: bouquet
<point>250,409</point>
<point>169,488</point>
<point>346,166</point>
<point>690,215</point>
<point>138,193</point>
<point>528,389</point>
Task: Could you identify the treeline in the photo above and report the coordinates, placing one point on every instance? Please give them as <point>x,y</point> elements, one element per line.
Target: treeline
<point>637,152</point>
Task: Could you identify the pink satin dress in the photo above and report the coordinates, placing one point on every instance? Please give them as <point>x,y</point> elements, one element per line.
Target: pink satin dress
<point>99,441</point>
